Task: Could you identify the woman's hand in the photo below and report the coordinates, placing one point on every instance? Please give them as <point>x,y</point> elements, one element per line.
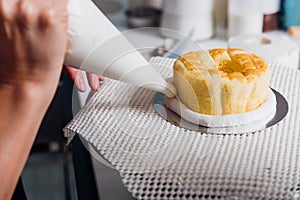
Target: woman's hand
<point>77,78</point>
<point>33,42</point>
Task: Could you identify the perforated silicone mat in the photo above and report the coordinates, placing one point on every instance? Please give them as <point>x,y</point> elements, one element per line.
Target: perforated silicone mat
<point>158,160</point>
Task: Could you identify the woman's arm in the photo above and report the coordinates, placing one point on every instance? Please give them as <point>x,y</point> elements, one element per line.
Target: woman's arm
<point>21,112</point>
<point>33,42</point>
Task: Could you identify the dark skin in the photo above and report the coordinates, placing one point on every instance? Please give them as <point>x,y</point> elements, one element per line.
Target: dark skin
<point>33,35</point>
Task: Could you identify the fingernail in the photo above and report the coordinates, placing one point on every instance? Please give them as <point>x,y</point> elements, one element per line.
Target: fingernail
<point>101,78</point>
<point>82,84</point>
<point>96,82</point>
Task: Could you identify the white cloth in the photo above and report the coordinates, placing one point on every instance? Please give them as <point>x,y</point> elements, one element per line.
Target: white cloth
<point>182,164</point>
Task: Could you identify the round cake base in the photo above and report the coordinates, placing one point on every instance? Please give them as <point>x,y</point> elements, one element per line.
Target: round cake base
<point>270,113</point>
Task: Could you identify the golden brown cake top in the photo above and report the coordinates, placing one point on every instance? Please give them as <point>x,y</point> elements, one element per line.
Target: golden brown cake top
<point>230,63</point>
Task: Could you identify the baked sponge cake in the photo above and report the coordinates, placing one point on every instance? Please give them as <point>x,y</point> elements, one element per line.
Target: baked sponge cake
<point>221,81</point>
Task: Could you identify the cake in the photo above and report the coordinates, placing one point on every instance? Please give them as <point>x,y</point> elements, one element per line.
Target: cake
<point>221,81</point>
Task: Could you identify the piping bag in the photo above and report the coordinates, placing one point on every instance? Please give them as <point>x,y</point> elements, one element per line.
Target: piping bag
<point>96,45</point>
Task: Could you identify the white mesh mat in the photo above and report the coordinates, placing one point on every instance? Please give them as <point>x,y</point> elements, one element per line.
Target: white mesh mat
<point>158,160</point>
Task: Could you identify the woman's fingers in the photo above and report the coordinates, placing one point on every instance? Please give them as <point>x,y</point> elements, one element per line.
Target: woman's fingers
<point>93,81</point>
<point>76,77</point>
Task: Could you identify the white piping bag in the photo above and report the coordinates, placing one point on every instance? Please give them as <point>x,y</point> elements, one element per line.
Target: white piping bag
<point>97,46</point>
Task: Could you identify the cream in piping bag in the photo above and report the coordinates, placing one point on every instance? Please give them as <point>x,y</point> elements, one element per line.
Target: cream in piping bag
<point>97,46</point>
